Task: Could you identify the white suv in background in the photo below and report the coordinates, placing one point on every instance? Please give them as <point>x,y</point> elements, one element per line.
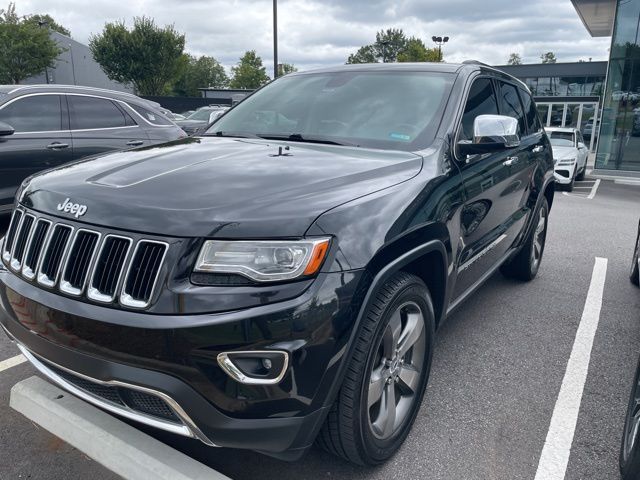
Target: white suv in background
<point>569,155</point>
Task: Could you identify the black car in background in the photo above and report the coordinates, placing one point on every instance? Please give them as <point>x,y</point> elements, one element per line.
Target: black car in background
<point>630,448</point>
<point>280,278</point>
<point>43,126</point>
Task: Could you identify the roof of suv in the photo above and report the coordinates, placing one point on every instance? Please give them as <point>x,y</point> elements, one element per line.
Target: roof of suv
<point>54,88</point>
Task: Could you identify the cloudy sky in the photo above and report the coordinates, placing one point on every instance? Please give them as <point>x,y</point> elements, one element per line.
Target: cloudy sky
<point>324,32</point>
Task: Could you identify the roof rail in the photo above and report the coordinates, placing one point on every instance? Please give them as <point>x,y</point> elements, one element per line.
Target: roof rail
<point>71,87</point>
<point>475,62</point>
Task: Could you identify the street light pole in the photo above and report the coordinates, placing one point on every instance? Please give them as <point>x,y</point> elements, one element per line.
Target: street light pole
<point>440,41</point>
<point>41,24</point>
<point>275,39</point>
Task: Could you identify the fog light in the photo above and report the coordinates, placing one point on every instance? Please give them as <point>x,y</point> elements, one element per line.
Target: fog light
<point>255,367</point>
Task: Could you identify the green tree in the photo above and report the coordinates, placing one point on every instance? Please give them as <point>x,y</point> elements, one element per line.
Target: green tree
<point>147,56</point>
<point>365,54</point>
<point>514,59</point>
<point>417,51</point>
<point>285,68</point>
<point>25,49</point>
<point>389,44</point>
<point>548,57</point>
<point>47,20</point>
<point>249,72</point>
<point>199,73</point>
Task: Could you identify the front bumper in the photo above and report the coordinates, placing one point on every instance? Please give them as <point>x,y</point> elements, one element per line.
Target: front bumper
<point>564,174</point>
<point>178,365</point>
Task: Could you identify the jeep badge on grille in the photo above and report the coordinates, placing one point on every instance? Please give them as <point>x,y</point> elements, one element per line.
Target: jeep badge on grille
<point>73,208</point>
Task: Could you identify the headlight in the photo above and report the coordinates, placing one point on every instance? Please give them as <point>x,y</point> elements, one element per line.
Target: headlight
<point>567,161</point>
<point>264,261</point>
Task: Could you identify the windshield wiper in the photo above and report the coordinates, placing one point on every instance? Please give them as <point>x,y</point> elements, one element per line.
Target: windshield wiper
<point>297,137</point>
<point>230,134</point>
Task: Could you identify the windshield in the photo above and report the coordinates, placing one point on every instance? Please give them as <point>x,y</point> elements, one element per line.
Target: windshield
<point>387,110</point>
<point>562,139</point>
<point>201,115</point>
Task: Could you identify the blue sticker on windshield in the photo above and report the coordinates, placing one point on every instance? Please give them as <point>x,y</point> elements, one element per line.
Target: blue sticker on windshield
<point>400,136</point>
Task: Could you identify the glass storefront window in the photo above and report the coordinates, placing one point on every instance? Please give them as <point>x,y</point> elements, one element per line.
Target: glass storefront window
<point>619,142</point>
<point>557,111</point>
<point>543,112</point>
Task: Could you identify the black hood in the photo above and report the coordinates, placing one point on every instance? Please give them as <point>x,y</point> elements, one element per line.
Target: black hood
<point>218,187</point>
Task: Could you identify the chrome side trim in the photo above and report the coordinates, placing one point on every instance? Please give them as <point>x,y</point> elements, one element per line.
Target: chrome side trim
<point>187,428</point>
<point>234,372</point>
<point>482,253</point>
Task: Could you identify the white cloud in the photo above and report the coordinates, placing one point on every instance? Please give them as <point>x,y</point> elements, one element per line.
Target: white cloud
<point>315,32</point>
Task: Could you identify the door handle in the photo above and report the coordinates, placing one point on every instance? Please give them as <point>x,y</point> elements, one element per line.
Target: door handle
<point>510,161</point>
<point>538,148</point>
<point>134,143</point>
<point>57,146</point>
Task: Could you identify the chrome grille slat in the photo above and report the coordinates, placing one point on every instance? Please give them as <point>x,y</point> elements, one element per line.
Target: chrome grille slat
<point>103,267</point>
<point>143,273</point>
<point>7,248</point>
<point>34,249</point>
<point>23,234</point>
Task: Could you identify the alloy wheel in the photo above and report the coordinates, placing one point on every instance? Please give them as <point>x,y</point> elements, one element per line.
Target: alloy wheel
<point>538,239</point>
<point>396,371</point>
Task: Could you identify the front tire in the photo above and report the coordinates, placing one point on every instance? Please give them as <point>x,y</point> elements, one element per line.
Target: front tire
<point>525,265</point>
<point>630,445</point>
<point>386,377</point>
<point>580,176</point>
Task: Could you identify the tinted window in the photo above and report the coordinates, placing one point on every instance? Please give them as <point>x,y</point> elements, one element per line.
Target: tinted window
<point>150,116</point>
<point>40,113</point>
<point>387,110</point>
<point>481,101</point>
<point>510,105</point>
<point>92,112</point>
<point>530,112</point>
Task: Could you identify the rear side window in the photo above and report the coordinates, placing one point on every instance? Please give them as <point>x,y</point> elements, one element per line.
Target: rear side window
<point>93,112</point>
<point>510,105</point>
<point>530,112</point>
<point>150,116</point>
<point>39,113</point>
<point>481,101</point>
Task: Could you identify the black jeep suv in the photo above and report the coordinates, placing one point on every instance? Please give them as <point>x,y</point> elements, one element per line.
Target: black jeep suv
<point>279,279</point>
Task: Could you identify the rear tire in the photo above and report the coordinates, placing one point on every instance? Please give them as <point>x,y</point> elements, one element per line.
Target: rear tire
<point>630,445</point>
<point>383,388</point>
<point>635,269</point>
<point>525,265</point>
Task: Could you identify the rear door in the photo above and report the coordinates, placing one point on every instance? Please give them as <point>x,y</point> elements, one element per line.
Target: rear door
<point>41,140</point>
<point>490,221</point>
<point>100,125</point>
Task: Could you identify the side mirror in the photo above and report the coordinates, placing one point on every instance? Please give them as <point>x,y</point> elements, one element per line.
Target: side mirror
<point>491,133</point>
<point>6,130</point>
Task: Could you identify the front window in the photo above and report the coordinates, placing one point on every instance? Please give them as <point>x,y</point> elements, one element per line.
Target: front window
<point>562,139</point>
<point>386,110</point>
<point>38,113</point>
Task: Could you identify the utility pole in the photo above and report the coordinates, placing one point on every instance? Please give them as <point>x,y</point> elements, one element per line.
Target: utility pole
<point>41,24</point>
<point>275,39</point>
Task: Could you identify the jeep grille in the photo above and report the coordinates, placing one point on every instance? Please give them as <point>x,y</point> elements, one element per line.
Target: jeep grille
<point>105,268</point>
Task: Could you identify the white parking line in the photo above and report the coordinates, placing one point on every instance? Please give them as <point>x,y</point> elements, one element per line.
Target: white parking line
<point>557,446</point>
<point>12,362</point>
<point>594,189</point>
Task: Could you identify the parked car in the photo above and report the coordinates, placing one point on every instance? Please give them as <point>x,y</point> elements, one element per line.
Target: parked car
<point>570,155</point>
<point>280,278</point>
<point>43,126</point>
<point>199,120</point>
<point>630,445</point>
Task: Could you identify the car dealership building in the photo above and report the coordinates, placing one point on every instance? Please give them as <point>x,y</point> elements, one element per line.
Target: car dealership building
<point>618,146</point>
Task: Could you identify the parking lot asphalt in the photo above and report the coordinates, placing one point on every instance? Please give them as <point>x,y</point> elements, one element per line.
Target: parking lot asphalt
<point>498,367</point>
